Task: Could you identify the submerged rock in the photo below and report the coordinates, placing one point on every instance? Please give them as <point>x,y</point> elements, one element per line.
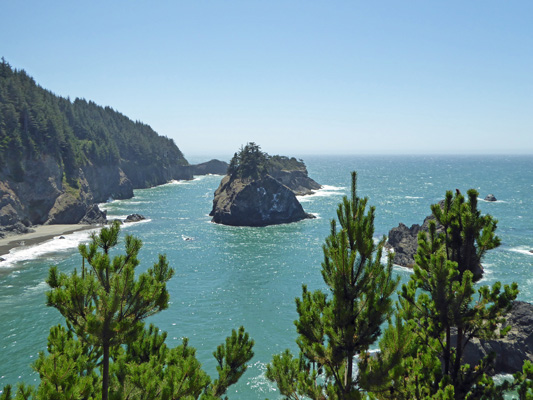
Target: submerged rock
<point>255,202</point>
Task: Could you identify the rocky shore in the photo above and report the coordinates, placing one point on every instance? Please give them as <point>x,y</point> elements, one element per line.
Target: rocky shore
<point>44,197</point>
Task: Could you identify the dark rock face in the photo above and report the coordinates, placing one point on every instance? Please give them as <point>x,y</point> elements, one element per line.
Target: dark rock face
<point>512,350</point>
<point>94,215</point>
<point>257,202</point>
<point>215,167</point>
<point>134,218</point>
<point>404,241</point>
<point>107,182</point>
<point>296,180</point>
<point>490,197</point>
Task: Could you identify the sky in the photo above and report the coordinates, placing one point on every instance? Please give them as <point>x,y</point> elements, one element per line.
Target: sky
<point>296,77</point>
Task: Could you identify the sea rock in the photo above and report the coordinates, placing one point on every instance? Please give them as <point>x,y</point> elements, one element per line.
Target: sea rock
<point>511,350</point>
<point>296,180</point>
<point>134,218</point>
<point>94,216</point>
<point>255,202</point>
<point>490,197</point>
<point>215,167</point>
<point>404,242</point>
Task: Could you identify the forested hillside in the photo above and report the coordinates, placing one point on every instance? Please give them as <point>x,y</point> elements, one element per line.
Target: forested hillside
<point>80,148</point>
<point>34,121</point>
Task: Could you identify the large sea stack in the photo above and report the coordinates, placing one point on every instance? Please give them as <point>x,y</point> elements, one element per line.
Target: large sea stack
<point>249,196</point>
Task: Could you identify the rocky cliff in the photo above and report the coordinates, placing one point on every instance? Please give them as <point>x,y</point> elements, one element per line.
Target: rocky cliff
<point>255,202</point>
<point>512,350</point>
<point>44,196</point>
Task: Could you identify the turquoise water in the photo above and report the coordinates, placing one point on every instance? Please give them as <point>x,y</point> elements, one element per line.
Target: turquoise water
<point>231,276</point>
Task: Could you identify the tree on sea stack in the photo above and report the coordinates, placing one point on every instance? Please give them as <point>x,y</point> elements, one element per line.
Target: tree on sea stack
<point>105,305</point>
<point>336,326</point>
<point>249,162</point>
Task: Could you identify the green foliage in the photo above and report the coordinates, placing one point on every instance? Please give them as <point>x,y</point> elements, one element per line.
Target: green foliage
<point>34,122</point>
<point>277,163</point>
<point>334,331</point>
<point>105,351</point>
<point>105,305</point>
<point>467,234</point>
<point>444,311</point>
<point>251,162</point>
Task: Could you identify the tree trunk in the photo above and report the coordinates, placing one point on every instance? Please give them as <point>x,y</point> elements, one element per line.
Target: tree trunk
<point>348,376</point>
<point>105,372</point>
<point>458,356</point>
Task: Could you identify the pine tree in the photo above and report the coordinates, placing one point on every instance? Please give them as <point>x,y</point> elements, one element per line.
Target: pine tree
<point>443,311</point>
<point>249,162</point>
<point>334,331</point>
<point>105,306</point>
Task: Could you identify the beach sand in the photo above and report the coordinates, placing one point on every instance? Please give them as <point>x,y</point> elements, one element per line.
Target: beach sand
<point>42,234</point>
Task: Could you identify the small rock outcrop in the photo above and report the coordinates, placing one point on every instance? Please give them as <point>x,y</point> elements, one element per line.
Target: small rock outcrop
<point>513,349</point>
<point>490,197</point>
<point>255,202</point>
<point>134,218</point>
<point>94,216</point>
<point>296,180</point>
<point>404,241</point>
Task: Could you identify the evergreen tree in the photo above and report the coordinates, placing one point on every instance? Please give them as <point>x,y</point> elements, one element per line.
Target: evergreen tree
<point>249,162</point>
<point>104,308</point>
<point>105,305</point>
<point>441,311</point>
<point>334,331</point>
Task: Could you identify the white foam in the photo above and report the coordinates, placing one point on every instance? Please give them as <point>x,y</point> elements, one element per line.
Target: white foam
<point>523,250</point>
<point>55,245</point>
<point>325,191</point>
<point>186,182</point>
<point>487,201</point>
<point>413,197</point>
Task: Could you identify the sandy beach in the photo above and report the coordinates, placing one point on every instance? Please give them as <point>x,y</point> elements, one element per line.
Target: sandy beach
<point>42,234</point>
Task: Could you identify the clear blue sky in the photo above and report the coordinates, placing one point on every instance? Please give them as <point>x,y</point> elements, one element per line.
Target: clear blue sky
<point>297,77</point>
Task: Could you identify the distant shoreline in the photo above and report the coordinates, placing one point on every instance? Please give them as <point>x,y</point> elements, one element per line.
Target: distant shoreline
<point>42,234</point>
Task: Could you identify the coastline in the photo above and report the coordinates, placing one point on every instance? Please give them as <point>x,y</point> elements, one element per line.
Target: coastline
<point>42,234</point>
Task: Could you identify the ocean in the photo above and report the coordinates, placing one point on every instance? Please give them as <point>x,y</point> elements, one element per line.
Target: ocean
<point>232,276</point>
